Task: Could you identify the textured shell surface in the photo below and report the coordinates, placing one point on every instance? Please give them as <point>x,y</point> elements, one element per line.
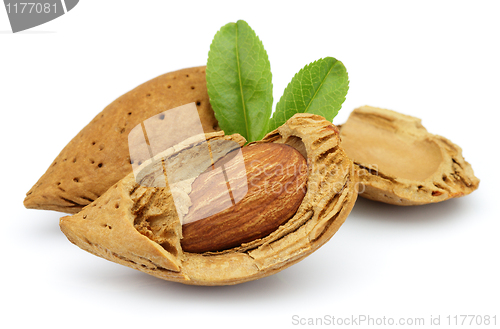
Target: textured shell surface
<point>98,156</point>
<point>139,226</point>
<point>400,162</point>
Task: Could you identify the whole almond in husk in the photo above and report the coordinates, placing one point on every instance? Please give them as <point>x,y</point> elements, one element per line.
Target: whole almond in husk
<point>400,163</point>
<point>141,227</point>
<point>98,156</point>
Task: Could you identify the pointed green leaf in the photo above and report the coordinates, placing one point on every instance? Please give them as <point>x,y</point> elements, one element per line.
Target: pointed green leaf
<point>319,88</point>
<point>239,81</point>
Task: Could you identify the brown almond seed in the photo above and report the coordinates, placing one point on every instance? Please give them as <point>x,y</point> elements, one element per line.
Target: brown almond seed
<point>276,176</point>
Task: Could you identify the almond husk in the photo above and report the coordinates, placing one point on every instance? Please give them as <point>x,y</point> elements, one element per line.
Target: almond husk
<point>400,162</point>
<point>109,227</point>
<point>98,156</point>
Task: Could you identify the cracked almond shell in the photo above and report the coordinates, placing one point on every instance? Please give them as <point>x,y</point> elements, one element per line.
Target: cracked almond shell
<point>400,163</point>
<point>109,227</point>
<point>98,156</point>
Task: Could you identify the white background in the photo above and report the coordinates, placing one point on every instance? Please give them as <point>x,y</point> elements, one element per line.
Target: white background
<point>435,60</point>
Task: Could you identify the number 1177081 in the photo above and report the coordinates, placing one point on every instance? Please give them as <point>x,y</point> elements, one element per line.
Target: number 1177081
<point>31,7</point>
<point>462,320</point>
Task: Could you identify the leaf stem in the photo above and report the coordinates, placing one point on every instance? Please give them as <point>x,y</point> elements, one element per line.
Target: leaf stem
<point>241,84</point>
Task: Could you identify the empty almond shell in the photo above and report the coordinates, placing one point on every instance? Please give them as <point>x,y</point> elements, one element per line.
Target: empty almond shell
<point>98,156</point>
<point>400,162</point>
<point>120,225</point>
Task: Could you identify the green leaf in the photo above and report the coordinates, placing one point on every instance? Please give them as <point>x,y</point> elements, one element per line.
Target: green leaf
<point>319,88</point>
<point>239,81</point>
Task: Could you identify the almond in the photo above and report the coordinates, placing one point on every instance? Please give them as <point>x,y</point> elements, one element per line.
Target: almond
<point>276,176</point>
<point>98,156</point>
<point>142,227</point>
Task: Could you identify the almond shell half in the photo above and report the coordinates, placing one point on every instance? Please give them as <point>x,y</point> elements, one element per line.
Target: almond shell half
<point>108,227</point>
<point>400,162</point>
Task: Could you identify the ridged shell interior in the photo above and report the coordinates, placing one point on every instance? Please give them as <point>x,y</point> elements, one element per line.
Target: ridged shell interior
<point>331,193</point>
<point>400,162</point>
